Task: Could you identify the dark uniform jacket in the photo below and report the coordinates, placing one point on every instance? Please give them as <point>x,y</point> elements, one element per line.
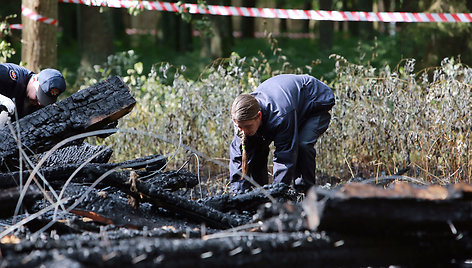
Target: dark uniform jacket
<point>286,101</point>
<point>13,82</point>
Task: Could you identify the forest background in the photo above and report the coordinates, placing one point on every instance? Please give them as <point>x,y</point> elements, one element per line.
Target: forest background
<point>403,90</point>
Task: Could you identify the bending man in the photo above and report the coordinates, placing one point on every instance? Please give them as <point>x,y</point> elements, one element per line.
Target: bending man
<point>23,91</point>
<point>290,110</point>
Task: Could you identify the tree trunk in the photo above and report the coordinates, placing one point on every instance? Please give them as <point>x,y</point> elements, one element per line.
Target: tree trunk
<point>68,22</point>
<point>168,24</point>
<point>247,23</point>
<point>307,5</point>
<point>39,40</point>
<point>176,33</point>
<point>366,29</point>
<point>222,40</point>
<point>95,35</point>
<point>185,41</point>
<point>283,22</point>
<point>326,27</point>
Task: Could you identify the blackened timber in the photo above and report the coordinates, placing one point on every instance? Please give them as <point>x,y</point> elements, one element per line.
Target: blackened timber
<point>300,249</point>
<point>149,163</point>
<point>150,191</point>
<point>251,200</point>
<point>153,193</point>
<point>60,173</point>
<point>89,109</point>
<point>174,180</point>
<point>111,206</point>
<point>367,209</point>
<point>76,153</point>
<point>193,210</point>
<point>9,198</point>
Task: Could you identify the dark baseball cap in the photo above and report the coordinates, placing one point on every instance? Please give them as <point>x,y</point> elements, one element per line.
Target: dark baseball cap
<point>51,85</point>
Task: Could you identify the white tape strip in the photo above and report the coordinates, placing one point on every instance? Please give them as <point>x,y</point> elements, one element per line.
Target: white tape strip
<point>36,17</point>
<point>283,13</point>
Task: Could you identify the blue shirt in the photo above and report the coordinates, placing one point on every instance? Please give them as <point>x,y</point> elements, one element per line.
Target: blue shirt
<point>286,101</point>
<point>13,82</point>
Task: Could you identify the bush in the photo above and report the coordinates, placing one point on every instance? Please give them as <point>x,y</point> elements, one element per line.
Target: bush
<point>386,120</point>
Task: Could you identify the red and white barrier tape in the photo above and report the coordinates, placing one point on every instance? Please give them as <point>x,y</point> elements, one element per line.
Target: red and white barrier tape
<point>282,13</point>
<point>36,17</point>
<point>298,14</point>
<point>16,26</point>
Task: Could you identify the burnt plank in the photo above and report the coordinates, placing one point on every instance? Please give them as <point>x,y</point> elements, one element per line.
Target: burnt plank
<point>368,209</point>
<point>9,198</point>
<point>89,109</point>
<point>242,250</point>
<point>75,153</point>
<point>150,191</point>
<point>251,200</point>
<point>153,193</point>
<point>58,174</point>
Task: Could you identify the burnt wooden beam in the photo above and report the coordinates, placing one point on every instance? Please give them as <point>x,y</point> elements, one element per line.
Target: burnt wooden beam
<point>367,209</point>
<point>172,180</point>
<point>300,249</point>
<point>93,108</point>
<point>60,173</point>
<point>153,193</point>
<point>109,206</point>
<point>9,198</point>
<point>75,153</point>
<point>150,191</point>
<point>251,200</point>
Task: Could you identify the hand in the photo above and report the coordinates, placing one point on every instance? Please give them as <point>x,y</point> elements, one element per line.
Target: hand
<point>3,118</point>
<point>8,104</point>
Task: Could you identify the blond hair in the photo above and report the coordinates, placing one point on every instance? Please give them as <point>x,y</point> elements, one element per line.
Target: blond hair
<point>245,107</point>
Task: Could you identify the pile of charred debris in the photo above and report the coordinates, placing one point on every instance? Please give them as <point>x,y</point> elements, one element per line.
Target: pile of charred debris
<point>64,205</point>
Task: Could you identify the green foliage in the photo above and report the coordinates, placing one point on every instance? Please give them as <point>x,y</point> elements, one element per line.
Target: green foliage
<point>385,120</point>
<point>6,49</point>
<point>195,112</point>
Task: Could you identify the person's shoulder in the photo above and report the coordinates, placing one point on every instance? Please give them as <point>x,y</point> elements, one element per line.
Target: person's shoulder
<point>15,68</point>
<point>8,73</point>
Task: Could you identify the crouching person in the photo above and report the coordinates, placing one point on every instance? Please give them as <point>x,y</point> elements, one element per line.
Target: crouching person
<point>292,111</point>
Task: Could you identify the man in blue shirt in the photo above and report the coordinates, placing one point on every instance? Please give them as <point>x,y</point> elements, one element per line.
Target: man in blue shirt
<point>290,110</point>
<point>23,91</point>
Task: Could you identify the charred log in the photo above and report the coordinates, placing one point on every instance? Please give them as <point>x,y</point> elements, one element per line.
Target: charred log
<point>149,163</point>
<point>366,209</point>
<point>251,200</point>
<point>150,191</point>
<point>9,198</point>
<point>241,250</point>
<point>194,211</point>
<point>59,174</point>
<point>111,206</point>
<point>87,110</point>
<point>76,154</point>
<point>173,180</point>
